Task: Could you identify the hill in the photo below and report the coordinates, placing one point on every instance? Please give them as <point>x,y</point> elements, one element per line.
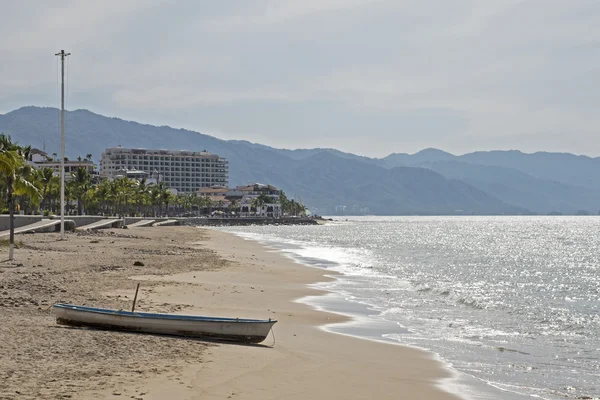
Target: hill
<point>428,182</point>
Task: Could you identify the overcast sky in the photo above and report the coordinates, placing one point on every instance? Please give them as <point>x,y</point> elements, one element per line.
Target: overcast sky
<point>366,76</point>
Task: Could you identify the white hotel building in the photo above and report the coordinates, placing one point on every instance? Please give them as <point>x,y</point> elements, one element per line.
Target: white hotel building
<point>184,171</point>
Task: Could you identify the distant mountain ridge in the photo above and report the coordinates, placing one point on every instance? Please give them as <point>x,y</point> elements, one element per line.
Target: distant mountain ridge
<point>429,182</point>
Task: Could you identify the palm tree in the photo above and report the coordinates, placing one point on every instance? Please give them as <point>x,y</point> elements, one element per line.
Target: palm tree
<point>260,201</point>
<point>101,196</point>
<point>124,192</point>
<point>234,205</point>
<point>166,197</point>
<point>17,177</point>
<point>186,201</point>
<point>204,203</point>
<point>297,209</point>
<point>254,204</point>
<point>155,198</point>
<point>284,202</point>
<point>80,184</point>
<point>142,195</point>
<point>46,178</point>
<point>220,204</point>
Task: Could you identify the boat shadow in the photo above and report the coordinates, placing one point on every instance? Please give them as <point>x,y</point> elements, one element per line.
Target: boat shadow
<point>177,337</point>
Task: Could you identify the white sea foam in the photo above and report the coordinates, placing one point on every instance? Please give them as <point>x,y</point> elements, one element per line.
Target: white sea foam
<point>500,297</point>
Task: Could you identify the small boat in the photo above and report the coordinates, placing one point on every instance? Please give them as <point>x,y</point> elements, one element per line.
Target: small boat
<point>230,329</point>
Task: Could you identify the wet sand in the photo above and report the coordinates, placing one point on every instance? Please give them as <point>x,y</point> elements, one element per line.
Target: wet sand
<point>193,271</point>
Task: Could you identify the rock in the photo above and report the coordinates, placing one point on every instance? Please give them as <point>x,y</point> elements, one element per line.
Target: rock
<point>138,264</point>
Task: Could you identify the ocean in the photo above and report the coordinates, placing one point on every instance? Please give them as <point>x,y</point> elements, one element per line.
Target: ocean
<point>511,304</point>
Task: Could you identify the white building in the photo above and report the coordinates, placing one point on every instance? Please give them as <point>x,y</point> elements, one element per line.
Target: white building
<point>244,196</point>
<point>40,160</point>
<point>252,191</point>
<point>184,171</point>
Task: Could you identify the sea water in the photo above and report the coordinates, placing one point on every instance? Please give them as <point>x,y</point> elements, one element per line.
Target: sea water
<point>509,301</point>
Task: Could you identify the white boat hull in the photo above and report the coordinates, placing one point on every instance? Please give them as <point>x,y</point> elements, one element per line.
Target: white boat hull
<point>233,329</point>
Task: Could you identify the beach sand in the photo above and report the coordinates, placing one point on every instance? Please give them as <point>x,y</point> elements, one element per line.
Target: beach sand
<point>193,271</point>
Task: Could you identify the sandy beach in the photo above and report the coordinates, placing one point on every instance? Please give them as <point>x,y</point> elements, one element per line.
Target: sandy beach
<point>193,271</point>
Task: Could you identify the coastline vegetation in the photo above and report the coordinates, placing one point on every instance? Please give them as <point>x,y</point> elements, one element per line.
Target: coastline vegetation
<point>35,191</point>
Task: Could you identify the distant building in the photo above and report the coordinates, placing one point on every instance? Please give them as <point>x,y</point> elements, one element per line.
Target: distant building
<point>40,159</point>
<point>252,191</point>
<point>340,208</point>
<point>133,174</point>
<point>244,195</point>
<point>213,191</point>
<point>185,171</point>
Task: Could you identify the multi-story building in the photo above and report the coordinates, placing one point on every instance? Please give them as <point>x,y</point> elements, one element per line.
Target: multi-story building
<point>184,171</point>
<point>244,195</point>
<point>40,159</point>
<point>254,190</point>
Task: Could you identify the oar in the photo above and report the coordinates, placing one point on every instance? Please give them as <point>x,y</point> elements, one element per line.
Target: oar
<point>135,297</point>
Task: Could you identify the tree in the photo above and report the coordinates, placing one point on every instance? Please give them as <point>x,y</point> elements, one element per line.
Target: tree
<point>80,184</point>
<point>166,197</point>
<point>284,203</point>
<point>234,206</point>
<point>17,179</point>
<point>142,196</point>
<point>254,204</point>
<point>296,209</point>
<point>204,203</point>
<point>123,191</point>
<point>102,195</point>
<point>260,201</point>
<point>46,178</point>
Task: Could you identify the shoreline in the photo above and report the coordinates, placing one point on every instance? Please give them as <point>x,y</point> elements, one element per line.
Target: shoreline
<point>306,361</point>
<point>363,322</point>
<point>429,382</point>
<point>189,271</point>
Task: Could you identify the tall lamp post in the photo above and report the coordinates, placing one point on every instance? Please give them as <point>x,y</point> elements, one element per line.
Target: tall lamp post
<point>62,56</point>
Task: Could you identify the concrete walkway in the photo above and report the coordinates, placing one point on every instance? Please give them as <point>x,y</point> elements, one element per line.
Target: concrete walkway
<point>167,222</point>
<point>103,223</point>
<point>43,224</point>
<point>144,222</point>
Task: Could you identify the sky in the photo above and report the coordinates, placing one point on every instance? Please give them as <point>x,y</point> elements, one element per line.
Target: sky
<point>371,77</point>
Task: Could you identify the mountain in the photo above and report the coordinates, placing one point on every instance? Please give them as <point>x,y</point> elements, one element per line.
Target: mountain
<point>404,190</point>
<point>560,167</point>
<point>428,182</point>
<point>423,156</point>
<point>516,187</point>
<point>542,182</point>
<point>88,132</point>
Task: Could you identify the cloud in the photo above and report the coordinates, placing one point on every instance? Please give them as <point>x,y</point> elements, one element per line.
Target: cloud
<point>464,73</point>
